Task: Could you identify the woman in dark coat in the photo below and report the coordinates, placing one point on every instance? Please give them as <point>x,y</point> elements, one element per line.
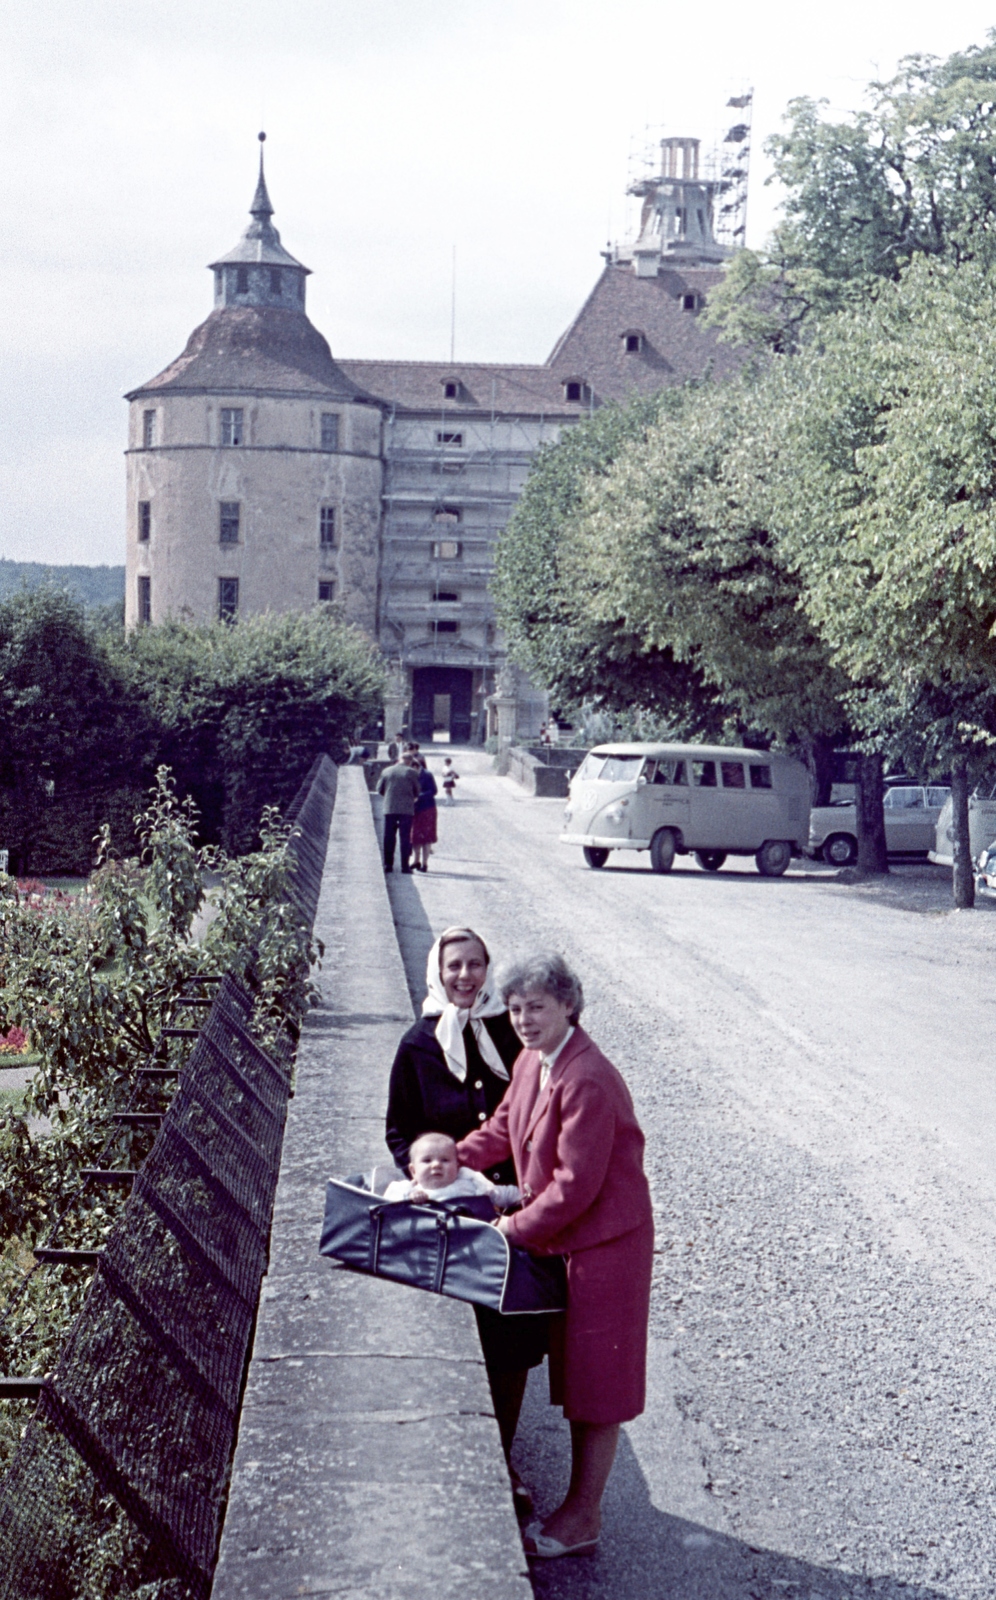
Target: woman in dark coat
<point>424,821</point>
<point>569,1123</point>
<point>449,1075</point>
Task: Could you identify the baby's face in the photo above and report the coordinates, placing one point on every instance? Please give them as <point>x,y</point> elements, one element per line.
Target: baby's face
<point>434,1163</point>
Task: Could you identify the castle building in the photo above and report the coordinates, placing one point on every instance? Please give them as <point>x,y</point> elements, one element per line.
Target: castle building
<point>265,475</point>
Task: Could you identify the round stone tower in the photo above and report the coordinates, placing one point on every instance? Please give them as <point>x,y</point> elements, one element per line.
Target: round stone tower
<point>254,462</point>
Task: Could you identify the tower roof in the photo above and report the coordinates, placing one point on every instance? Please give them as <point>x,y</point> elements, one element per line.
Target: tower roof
<point>261,241</point>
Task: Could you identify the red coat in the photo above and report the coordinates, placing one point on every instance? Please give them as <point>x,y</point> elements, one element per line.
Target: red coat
<point>578,1151</point>
<point>578,1154</point>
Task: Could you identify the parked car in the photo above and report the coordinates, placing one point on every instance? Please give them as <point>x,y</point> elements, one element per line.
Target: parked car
<point>985,882</point>
<point>672,799</point>
<point>981,825</point>
<point>911,814</point>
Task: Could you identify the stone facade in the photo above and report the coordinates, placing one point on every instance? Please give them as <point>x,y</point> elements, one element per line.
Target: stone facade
<point>264,475</point>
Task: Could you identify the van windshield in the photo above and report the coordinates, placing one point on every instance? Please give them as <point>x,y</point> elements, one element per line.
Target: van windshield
<point>620,769</point>
<point>590,767</point>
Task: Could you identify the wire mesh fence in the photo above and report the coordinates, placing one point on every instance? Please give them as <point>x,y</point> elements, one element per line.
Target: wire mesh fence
<point>141,1410</point>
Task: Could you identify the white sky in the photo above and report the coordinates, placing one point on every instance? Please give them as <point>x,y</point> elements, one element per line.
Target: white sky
<point>397,128</point>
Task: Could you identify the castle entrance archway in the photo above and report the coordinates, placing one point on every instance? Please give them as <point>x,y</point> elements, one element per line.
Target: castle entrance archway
<point>441,704</point>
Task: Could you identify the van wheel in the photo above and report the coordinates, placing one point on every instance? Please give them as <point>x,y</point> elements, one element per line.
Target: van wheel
<point>595,855</point>
<point>710,860</point>
<point>773,857</point>
<point>663,848</point>
<point>840,850</point>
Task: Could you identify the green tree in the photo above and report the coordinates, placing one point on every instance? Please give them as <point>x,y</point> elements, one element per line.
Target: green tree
<point>241,712</point>
<point>542,595</point>
<point>73,740</point>
<point>676,539</point>
<point>887,507</point>
<point>912,174</point>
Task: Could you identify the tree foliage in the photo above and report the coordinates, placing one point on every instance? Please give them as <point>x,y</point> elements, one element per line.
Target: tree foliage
<point>912,174</point>
<point>237,713</point>
<point>543,596</point>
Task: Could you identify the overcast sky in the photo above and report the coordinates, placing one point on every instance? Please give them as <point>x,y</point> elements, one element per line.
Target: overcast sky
<point>396,130</point>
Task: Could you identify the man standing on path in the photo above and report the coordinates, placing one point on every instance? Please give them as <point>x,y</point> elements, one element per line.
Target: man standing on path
<point>400,787</point>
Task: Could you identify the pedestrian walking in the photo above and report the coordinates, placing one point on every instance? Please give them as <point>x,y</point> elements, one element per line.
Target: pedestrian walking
<point>450,779</point>
<point>400,787</point>
<point>424,832</point>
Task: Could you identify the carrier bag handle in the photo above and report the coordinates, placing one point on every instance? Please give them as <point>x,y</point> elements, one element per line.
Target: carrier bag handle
<point>442,1249</point>
<point>377,1220</point>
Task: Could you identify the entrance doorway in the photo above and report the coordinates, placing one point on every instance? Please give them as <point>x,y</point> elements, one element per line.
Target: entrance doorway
<point>441,701</point>
<point>441,704</point>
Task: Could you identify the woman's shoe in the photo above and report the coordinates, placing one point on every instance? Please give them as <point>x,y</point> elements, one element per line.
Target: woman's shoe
<point>541,1545</point>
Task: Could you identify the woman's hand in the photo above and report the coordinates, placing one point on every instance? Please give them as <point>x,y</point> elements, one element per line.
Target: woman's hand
<point>502,1224</point>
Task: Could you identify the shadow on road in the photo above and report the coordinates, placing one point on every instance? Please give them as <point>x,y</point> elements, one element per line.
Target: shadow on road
<point>648,1554</point>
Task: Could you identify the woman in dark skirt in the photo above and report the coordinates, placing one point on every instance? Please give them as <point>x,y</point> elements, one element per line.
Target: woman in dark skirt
<point>424,821</point>
<point>449,1075</point>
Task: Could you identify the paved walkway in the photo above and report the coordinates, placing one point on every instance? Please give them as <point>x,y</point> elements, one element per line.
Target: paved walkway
<point>368,1465</point>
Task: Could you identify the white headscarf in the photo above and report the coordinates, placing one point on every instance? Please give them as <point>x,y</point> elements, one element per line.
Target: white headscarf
<point>452,1021</point>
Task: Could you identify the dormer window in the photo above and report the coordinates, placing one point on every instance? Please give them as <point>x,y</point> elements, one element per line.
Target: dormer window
<point>275,280</point>
<point>632,341</point>
<point>690,302</point>
<point>242,280</point>
<point>576,389</point>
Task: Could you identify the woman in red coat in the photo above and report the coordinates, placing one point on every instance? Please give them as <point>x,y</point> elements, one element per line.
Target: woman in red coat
<point>567,1120</point>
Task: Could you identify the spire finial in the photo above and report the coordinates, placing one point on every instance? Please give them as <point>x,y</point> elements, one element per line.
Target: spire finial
<point>261,206</point>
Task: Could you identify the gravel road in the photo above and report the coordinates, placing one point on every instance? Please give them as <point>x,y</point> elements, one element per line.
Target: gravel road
<point>813,1065</point>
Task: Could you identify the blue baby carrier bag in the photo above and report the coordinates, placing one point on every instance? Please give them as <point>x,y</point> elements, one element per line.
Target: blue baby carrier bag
<point>446,1247</point>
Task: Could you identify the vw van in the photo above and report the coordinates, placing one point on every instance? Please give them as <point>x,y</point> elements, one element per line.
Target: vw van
<point>676,799</point>
<point>981,825</point>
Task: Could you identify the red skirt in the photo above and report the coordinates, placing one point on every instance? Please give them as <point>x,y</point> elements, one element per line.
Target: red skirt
<point>424,826</point>
<point>598,1348</point>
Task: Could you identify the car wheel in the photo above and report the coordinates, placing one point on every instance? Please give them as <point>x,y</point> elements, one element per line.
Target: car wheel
<point>595,855</point>
<point>710,860</point>
<point>773,857</point>
<point>663,848</point>
<point>840,850</point>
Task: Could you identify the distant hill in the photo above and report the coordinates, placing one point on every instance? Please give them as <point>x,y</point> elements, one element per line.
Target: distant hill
<point>95,586</point>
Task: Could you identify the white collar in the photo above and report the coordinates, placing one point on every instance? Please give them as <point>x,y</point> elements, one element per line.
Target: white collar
<point>551,1058</point>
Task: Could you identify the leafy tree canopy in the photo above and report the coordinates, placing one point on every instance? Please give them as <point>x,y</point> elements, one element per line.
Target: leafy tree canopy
<point>886,504</point>
<point>914,173</point>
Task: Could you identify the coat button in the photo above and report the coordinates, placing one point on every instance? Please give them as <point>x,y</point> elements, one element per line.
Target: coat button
<point>482,1116</point>
<point>478,1084</point>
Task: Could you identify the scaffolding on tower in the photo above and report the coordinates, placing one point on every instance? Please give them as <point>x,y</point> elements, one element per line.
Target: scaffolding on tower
<point>734,170</point>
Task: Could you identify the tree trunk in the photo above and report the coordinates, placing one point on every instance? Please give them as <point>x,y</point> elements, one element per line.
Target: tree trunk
<point>962,873</point>
<point>872,855</point>
<point>819,760</point>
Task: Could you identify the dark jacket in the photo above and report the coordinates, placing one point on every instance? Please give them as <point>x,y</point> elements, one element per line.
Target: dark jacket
<point>428,791</point>
<point>400,788</point>
<point>424,1096</point>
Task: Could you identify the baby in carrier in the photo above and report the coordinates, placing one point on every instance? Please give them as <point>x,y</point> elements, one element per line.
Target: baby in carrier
<point>437,1175</point>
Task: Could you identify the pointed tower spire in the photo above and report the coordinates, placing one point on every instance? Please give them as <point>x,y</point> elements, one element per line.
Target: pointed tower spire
<point>259,271</point>
<point>261,206</point>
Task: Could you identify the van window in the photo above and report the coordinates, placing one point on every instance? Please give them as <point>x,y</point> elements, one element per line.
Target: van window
<point>590,767</point>
<point>619,769</point>
<point>670,772</point>
<point>704,774</point>
<point>760,777</point>
<point>937,797</point>
<point>733,775</point>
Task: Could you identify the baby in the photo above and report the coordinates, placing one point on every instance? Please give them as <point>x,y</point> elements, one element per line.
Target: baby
<point>437,1175</point>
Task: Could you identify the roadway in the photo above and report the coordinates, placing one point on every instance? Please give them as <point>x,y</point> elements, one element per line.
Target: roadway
<point>812,1063</point>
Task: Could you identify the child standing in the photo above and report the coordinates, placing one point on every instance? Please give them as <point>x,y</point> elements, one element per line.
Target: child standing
<point>450,778</point>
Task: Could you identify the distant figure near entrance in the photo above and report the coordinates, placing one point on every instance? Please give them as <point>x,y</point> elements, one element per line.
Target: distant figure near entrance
<point>400,787</point>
